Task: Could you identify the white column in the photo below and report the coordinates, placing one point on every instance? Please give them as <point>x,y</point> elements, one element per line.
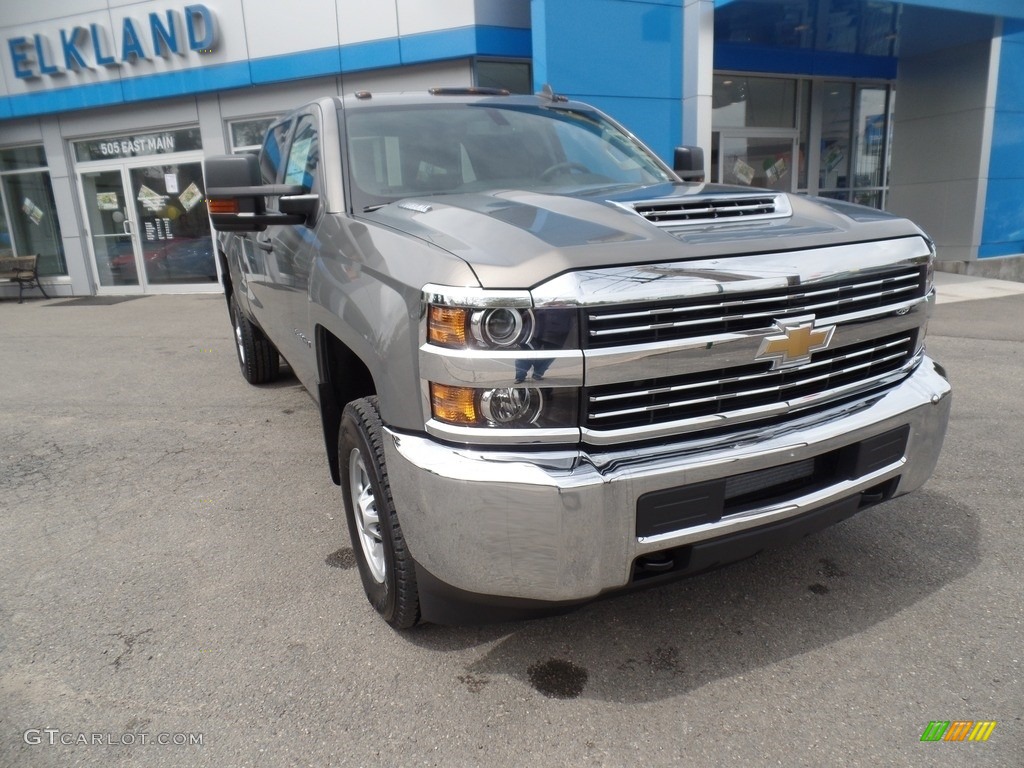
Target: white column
<point>698,70</point>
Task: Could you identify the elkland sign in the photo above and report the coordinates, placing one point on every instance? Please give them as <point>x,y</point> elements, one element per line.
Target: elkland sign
<point>194,28</point>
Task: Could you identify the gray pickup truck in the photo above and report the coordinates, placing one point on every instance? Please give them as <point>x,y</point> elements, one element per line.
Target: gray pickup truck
<point>550,367</point>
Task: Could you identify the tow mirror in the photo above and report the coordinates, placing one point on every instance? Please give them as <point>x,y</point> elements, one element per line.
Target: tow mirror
<point>237,197</point>
<point>688,163</point>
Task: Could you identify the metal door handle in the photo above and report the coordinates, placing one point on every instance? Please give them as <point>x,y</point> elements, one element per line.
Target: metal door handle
<point>264,244</point>
<point>126,226</point>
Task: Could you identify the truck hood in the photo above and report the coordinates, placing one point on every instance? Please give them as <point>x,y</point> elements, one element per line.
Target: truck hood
<point>519,239</point>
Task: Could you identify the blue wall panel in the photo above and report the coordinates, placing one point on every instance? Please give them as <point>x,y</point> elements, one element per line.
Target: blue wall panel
<point>656,122</point>
<point>375,54</point>
<point>185,81</point>
<point>64,99</point>
<point>1007,8</point>
<point>295,66</point>
<point>802,61</point>
<point>466,41</point>
<point>1003,228</point>
<point>624,56</point>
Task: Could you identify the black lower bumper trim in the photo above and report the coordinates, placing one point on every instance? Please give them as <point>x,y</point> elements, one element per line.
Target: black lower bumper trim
<point>441,603</point>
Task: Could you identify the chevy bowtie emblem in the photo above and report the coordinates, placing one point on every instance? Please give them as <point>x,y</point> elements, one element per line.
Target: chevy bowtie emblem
<point>796,340</point>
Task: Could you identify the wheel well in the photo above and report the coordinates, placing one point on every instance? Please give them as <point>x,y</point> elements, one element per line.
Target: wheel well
<point>343,377</point>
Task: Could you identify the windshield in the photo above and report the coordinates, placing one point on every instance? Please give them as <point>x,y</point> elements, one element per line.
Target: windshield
<point>398,152</point>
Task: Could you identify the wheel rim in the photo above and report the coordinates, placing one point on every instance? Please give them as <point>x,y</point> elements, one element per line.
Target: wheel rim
<point>364,504</point>
<point>238,337</point>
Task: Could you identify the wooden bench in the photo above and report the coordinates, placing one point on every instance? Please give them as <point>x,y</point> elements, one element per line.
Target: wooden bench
<point>23,270</point>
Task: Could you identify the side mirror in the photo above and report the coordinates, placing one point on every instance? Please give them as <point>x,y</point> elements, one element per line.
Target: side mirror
<point>688,163</point>
<point>237,196</point>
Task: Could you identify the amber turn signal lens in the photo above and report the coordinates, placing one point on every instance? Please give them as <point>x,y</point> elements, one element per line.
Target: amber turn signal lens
<point>222,206</point>
<point>447,326</point>
<point>453,405</point>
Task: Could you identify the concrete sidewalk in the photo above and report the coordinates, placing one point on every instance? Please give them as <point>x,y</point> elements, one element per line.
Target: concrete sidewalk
<point>951,287</point>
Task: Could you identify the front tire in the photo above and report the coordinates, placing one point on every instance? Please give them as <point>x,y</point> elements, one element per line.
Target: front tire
<point>257,357</point>
<point>385,565</point>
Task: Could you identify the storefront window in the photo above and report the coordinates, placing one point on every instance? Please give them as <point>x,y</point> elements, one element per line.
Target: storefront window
<point>514,76</point>
<point>805,134</point>
<point>758,162</point>
<point>247,135</point>
<point>753,102</point>
<point>28,215</point>
<point>6,248</point>
<point>836,119</point>
<point>21,158</point>
<point>822,137</point>
<point>870,137</point>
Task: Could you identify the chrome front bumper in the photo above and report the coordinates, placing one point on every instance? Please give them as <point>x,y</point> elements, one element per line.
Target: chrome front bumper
<point>561,526</point>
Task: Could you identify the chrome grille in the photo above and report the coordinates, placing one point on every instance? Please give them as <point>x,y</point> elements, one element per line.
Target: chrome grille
<point>830,374</point>
<point>643,323</point>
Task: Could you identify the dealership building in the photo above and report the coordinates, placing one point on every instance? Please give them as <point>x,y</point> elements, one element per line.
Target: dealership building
<point>109,106</point>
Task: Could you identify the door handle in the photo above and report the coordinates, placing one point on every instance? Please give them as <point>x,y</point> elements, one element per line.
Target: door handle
<point>126,226</point>
<point>264,244</point>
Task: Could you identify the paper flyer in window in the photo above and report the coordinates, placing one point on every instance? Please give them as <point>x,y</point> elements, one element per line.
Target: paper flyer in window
<point>190,197</point>
<point>33,211</point>
<point>151,201</point>
<point>107,201</point>
<point>743,171</point>
<point>833,158</point>
<point>775,170</point>
<point>171,182</point>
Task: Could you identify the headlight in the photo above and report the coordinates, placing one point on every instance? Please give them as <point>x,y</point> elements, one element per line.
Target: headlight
<point>492,328</point>
<point>501,327</point>
<point>504,407</point>
<point>497,369</point>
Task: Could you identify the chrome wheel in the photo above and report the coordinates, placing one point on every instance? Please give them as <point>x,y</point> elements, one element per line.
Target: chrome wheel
<point>386,567</point>
<point>364,504</point>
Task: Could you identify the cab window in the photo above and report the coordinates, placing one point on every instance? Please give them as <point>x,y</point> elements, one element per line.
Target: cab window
<point>303,155</point>
<point>272,152</point>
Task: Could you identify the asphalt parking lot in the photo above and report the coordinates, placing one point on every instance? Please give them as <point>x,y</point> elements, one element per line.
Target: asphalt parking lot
<point>177,589</point>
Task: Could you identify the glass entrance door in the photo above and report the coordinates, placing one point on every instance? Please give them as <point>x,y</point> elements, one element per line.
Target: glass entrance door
<point>173,227</point>
<point>110,228</point>
<point>149,227</point>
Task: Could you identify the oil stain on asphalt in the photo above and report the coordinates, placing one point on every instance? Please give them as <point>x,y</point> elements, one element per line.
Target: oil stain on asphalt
<point>558,679</point>
<point>343,558</point>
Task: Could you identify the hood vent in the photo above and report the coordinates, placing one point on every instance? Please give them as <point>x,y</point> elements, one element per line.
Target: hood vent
<point>705,209</point>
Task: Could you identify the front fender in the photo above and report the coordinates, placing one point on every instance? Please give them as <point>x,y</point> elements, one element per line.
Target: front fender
<point>365,289</point>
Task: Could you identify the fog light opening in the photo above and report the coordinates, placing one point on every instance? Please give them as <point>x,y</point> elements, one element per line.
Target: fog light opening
<point>508,405</point>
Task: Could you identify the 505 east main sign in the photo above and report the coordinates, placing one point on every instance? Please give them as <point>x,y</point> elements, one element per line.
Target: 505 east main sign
<point>194,28</point>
